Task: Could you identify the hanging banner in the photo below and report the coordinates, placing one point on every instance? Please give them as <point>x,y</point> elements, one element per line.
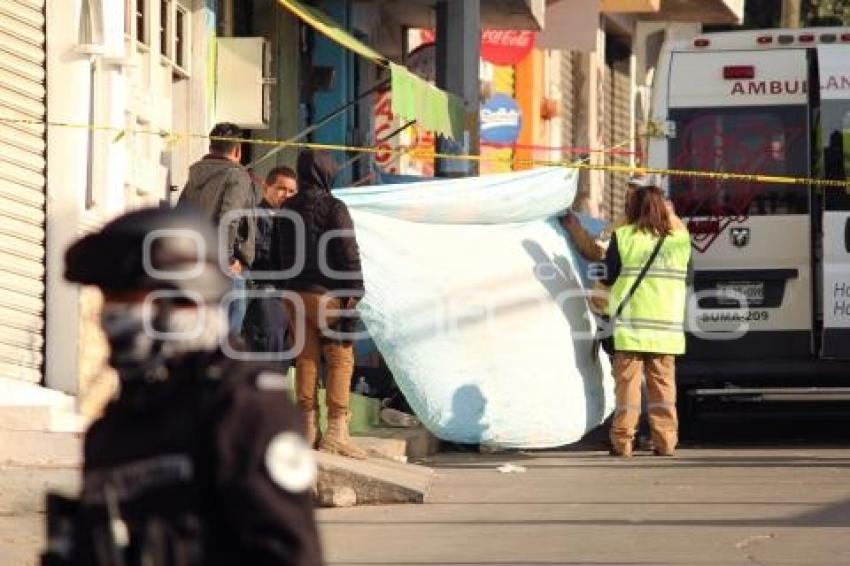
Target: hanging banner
<point>413,98</point>
<point>420,141</point>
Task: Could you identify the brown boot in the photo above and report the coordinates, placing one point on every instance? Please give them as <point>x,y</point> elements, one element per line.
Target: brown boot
<point>312,432</point>
<point>337,440</point>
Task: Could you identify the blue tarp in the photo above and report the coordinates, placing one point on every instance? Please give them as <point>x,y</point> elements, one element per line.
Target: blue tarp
<point>473,297</point>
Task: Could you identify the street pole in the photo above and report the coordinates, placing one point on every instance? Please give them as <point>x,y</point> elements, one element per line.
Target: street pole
<point>791,13</point>
<point>458,54</point>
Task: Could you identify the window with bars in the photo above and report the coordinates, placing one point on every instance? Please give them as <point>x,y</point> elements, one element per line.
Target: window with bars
<point>91,23</point>
<point>165,35</point>
<point>141,10</point>
<point>129,9</point>
<point>181,20</point>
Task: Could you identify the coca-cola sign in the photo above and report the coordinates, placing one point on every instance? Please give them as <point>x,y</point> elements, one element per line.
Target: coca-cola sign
<point>498,46</point>
<point>506,46</point>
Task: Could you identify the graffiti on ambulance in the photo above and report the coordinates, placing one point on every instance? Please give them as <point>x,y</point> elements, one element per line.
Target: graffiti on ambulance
<point>756,144</point>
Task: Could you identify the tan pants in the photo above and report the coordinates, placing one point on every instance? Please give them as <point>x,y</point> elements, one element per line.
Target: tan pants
<point>661,384</point>
<point>339,358</point>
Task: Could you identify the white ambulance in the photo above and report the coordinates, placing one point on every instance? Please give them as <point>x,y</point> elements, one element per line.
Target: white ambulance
<point>770,314</point>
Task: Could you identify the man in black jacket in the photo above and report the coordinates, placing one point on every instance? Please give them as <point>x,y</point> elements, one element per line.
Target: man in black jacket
<point>329,284</point>
<point>218,185</point>
<point>266,323</point>
<point>200,459</point>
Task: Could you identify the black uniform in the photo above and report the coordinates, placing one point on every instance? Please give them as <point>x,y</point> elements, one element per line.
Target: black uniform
<point>201,459</point>
<point>185,464</point>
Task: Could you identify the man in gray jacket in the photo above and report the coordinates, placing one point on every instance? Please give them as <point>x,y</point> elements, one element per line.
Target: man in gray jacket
<point>217,185</point>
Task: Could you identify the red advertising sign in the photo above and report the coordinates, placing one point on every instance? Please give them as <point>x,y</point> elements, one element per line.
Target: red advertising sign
<point>384,124</point>
<point>498,46</point>
<point>506,46</point>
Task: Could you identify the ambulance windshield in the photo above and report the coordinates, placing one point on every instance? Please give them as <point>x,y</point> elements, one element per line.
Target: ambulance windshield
<point>766,140</point>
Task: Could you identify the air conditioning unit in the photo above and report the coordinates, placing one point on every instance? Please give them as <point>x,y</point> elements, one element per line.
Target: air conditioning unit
<point>243,82</point>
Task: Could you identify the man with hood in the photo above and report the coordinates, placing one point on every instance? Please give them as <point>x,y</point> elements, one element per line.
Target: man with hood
<point>219,185</point>
<point>326,290</point>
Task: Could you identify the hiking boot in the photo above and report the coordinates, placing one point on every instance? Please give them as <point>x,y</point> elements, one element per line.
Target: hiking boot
<point>624,452</point>
<point>312,432</point>
<point>338,441</point>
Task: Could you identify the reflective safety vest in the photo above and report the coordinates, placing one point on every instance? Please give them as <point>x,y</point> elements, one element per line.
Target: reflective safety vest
<point>654,318</point>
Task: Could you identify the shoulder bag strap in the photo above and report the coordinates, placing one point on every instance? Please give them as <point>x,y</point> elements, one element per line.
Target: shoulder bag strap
<point>640,277</point>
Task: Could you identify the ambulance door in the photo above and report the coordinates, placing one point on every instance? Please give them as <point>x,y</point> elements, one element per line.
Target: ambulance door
<point>745,112</point>
<point>834,66</point>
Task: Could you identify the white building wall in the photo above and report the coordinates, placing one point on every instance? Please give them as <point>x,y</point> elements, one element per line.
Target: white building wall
<point>134,88</point>
<point>68,92</point>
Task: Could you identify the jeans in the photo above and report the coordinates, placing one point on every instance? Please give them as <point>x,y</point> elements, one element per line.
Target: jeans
<point>238,306</point>
<point>265,326</point>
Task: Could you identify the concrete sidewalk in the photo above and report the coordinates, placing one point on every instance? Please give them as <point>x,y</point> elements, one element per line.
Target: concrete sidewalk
<point>22,492</point>
<point>735,506</point>
<point>707,506</point>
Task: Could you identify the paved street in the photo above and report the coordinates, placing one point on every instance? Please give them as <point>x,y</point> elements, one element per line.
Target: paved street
<point>713,504</point>
<point>708,506</point>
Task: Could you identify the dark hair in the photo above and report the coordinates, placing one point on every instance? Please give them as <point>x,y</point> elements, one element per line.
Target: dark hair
<point>280,171</point>
<point>647,210</point>
<point>224,130</point>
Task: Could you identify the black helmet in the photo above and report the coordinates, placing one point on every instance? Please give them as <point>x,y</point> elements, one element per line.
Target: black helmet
<point>113,259</point>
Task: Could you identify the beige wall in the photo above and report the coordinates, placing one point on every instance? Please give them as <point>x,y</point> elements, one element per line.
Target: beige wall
<point>98,382</point>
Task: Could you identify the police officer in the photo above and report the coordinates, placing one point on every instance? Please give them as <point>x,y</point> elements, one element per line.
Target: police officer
<point>201,458</point>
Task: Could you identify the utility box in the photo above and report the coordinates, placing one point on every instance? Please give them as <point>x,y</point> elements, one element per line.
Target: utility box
<point>243,82</point>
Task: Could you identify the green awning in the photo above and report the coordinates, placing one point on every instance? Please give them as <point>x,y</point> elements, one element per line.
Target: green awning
<point>413,98</point>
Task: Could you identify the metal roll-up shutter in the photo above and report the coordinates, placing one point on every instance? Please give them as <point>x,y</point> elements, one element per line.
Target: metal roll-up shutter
<point>618,130</point>
<point>22,189</point>
<point>621,133</point>
<point>568,98</point>
<point>607,131</point>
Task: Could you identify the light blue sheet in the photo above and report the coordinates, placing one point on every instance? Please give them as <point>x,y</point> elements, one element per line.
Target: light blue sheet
<point>465,283</point>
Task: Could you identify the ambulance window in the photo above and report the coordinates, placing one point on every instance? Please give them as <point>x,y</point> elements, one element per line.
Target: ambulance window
<point>769,141</point>
<point>835,124</point>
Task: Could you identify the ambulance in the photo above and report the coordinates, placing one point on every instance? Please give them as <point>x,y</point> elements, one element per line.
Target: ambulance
<point>769,316</point>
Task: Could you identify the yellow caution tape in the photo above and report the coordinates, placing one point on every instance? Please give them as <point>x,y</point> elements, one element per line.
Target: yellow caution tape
<point>174,137</point>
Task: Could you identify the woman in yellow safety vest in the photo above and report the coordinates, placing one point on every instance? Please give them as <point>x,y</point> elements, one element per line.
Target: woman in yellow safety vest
<point>650,329</point>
